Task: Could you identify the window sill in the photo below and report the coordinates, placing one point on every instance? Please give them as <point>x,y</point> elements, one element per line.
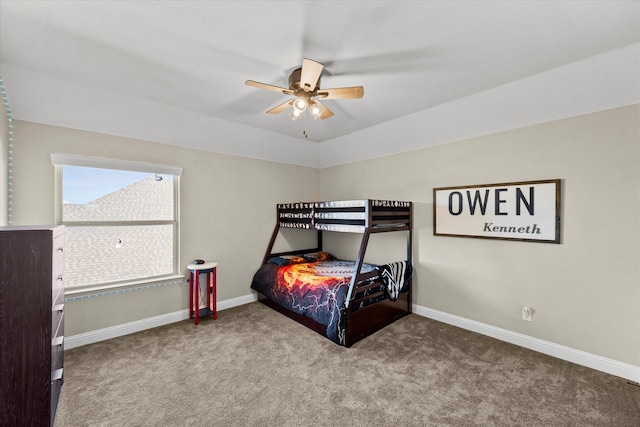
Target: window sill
<point>73,294</point>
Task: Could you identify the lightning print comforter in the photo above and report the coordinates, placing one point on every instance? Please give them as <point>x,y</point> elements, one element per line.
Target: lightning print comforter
<point>315,285</point>
<point>314,289</point>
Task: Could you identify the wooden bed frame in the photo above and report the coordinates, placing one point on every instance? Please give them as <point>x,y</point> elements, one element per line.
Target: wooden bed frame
<point>355,216</point>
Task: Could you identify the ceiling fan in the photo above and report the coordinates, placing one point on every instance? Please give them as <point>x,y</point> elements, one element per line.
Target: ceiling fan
<point>304,84</point>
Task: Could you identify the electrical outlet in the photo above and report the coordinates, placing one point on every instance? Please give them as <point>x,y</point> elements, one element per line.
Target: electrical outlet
<point>527,313</point>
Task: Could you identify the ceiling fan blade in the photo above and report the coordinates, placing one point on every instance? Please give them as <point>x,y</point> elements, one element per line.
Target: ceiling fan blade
<point>279,108</point>
<point>325,113</point>
<point>342,92</point>
<point>269,87</point>
<point>310,74</point>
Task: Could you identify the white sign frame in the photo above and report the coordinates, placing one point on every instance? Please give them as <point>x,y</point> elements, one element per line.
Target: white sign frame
<point>525,211</point>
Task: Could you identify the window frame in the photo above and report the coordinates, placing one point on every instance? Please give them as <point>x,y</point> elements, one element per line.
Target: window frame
<point>60,160</point>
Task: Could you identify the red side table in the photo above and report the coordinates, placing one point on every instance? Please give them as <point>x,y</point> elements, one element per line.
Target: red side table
<point>194,289</point>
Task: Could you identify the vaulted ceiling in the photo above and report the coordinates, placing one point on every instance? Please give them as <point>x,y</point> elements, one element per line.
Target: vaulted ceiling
<point>173,70</point>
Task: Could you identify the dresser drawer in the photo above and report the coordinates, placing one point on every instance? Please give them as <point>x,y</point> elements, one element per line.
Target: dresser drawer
<point>57,352</point>
<point>57,357</point>
<point>57,295</point>
<point>57,343</point>
<point>57,378</point>
<point>57,316</point>
<point>57,266</point>
<point>58,250</point>
<point>57,280</point>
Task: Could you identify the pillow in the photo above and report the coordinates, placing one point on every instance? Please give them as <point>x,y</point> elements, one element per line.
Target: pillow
<point>318,256</point>
<point>286,260</point>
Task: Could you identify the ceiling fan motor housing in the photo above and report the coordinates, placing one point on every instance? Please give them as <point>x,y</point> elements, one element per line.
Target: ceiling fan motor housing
<point>294,83</point>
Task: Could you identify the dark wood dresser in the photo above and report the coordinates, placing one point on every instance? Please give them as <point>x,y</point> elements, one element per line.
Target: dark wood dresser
<point>31,324</point>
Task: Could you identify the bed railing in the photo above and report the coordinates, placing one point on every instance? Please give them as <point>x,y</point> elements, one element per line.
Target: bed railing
<point>352,216</point>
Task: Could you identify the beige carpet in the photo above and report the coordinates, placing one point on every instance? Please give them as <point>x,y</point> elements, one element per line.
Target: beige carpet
<point>255,367</point>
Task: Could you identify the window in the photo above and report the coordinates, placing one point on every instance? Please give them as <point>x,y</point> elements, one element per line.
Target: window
<point>121,221</point>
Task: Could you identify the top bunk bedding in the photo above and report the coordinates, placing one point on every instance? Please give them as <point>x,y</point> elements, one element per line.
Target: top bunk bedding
<point>352,216</point>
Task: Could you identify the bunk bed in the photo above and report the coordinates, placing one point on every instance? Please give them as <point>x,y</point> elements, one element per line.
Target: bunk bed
<point>344,300</point>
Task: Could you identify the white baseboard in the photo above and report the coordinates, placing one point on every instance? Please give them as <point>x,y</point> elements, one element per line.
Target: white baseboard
<point>235,302</point>
<point>143,324</point>
<point>599,363</point>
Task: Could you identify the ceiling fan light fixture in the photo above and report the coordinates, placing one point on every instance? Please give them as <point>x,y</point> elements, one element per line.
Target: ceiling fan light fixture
<point>299,105</point>
<point>315,110</point>
<point>295,114</point>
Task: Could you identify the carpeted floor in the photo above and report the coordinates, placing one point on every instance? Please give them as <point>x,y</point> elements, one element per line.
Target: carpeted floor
<point>255,367</point>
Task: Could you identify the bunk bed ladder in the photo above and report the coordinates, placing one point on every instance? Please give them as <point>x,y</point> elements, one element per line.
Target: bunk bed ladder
<point>267,254</point>
<point>358,266</point>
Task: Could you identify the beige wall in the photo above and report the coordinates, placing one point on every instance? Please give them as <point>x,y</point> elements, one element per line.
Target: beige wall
<point>585,291</point>
<point>227,212</point>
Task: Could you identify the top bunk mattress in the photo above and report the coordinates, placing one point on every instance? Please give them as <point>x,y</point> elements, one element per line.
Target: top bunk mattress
<point>347,215</point>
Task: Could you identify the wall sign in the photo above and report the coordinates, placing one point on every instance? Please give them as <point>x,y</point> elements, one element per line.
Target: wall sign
<point>527,211</point>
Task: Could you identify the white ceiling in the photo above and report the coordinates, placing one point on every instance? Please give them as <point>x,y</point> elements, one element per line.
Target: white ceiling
<point>174,71</point>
